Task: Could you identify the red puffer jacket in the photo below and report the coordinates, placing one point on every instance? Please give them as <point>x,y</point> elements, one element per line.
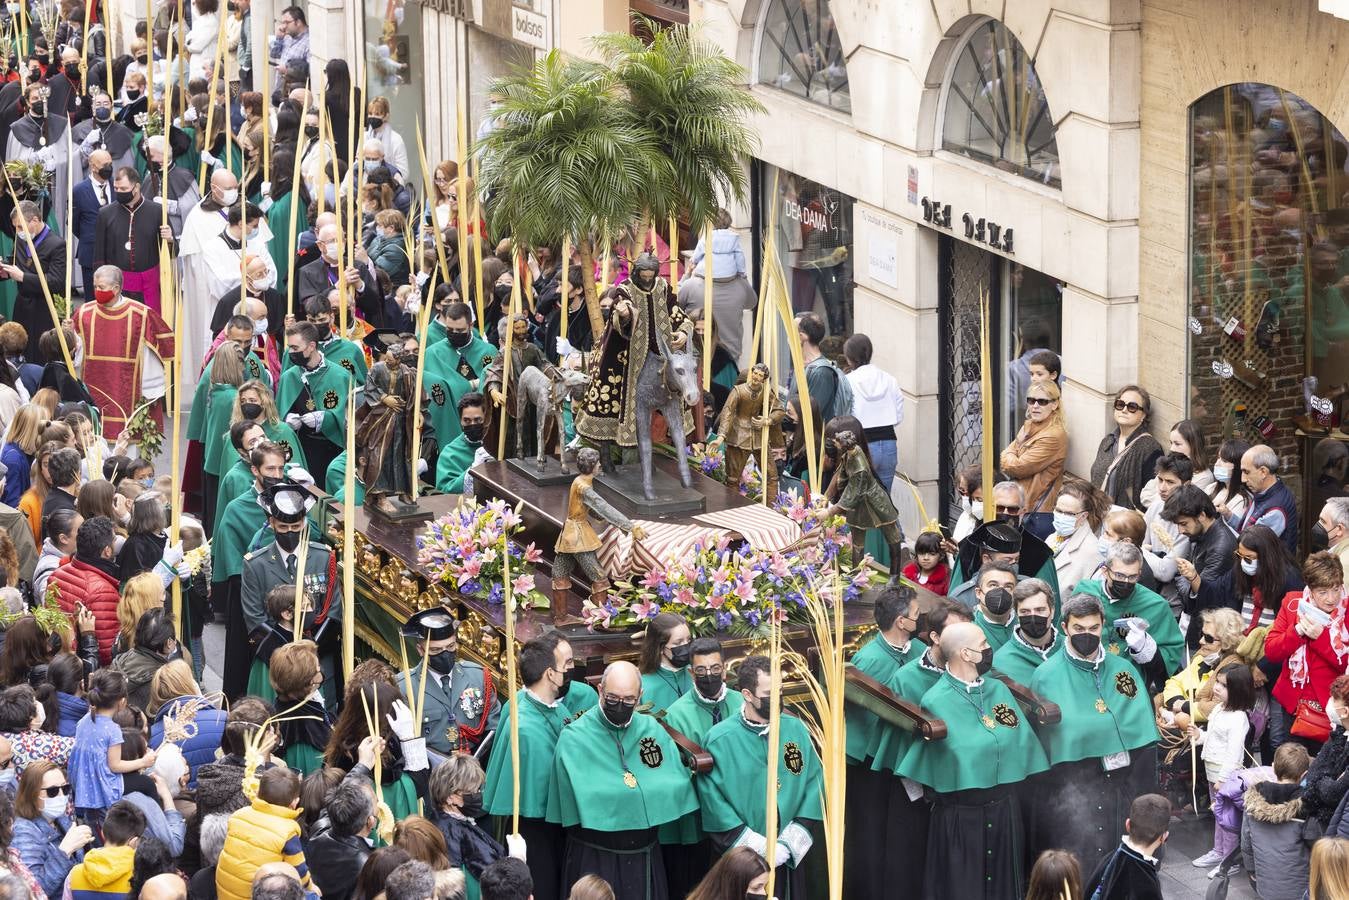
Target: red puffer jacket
<point>97,590</point>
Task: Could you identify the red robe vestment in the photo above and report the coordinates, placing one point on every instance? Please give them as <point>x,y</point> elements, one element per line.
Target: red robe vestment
<point>113,343</point>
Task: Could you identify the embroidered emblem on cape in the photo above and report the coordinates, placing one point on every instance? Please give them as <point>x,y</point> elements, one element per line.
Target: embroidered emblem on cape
<point>330,400</point>
<point>1125,684</point>
<point>438,394</point>
<point>348,365</point>
<point>1006,715</point>
<point>650,753</point>
<point>792,757</point>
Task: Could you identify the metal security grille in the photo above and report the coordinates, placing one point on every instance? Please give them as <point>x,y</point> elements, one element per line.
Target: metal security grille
<point>966,274</point>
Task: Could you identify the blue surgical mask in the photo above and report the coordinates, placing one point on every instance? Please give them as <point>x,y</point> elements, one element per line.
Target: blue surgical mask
<point>9,777</point>
<point>1103,545</point>
<point>1222,473</point>
<point>1064,524</point>
<point>253,235</point>
<point>371,165</point>
<point>1250,566</point>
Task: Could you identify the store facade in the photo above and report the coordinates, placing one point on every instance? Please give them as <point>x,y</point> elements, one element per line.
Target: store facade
<point>920,157</point>
<point>1243,230</point>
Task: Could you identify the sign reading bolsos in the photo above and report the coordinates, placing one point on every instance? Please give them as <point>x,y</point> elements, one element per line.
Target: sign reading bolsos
<point>979,231</point>
<point>529,27</point>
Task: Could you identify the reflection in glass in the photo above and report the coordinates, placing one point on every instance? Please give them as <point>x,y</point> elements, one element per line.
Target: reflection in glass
<point>800,52</point>
<point>996,110</point>
<point>814,233</point>
<point>393,40</point>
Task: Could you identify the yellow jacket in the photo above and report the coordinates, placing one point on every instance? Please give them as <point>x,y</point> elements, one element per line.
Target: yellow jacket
<point>257,834</point>
<point>105,873</point>
<point>1188,684</point>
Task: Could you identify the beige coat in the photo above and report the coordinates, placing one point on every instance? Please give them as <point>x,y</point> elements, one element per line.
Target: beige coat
<point>1037,465</point>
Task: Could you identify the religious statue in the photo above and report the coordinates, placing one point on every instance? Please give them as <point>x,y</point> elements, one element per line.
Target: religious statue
<point>864,502</point>
<point>644,365</point>
<point>384,432</point>
<point>578,542</point>
<point>742,425</point>
<point>513,400</point>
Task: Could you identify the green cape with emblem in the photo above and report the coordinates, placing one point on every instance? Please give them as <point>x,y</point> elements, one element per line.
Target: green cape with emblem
<point>1145,604</point>
<point>691,716</point>
<point>240,521</point>
<point>237,480</point>
<point>997,634</point>
<point>330,388</point>
<point>881,661</point>
<point>889,744</point>
<point>1105,707</point>
<point>448,376</point>
<point>340,352</point>
<point>540,728</point>
<point>1018,660</point>
<point>734,793</point>
<point>661,688</point>
<point>588,785</point>
<point>279,432</point>
<point>988,741</point>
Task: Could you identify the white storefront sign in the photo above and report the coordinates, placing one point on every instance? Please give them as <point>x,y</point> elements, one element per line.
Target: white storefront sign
<point>529,28</point>
<point>881,235</point>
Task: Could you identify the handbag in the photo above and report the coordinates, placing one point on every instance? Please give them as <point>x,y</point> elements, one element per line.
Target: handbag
<point>1310,721</point>
<point>1217,888</point>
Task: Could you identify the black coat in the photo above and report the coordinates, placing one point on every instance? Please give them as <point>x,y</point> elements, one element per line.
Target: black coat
<point>314,280</point>
<point>30,307</point>
<point>1124,875</point>
<point>334,862</point>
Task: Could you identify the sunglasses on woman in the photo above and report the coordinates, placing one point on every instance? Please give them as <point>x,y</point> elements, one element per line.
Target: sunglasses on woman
<point>1121,406</point>
<point>1038,401</point>
<point>56,790</point>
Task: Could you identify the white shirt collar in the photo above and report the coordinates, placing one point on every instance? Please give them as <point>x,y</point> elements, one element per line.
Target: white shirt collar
<point>556,703</point>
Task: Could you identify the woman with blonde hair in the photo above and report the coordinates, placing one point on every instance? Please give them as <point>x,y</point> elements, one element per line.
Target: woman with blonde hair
<point>442,178</point>
<point>591,887</point>
<point>422,840</point>
<point>176,698</point>
<point>256,403</point>
<point>48,399</point>
<point>1190,691</point>
<point>1329,876</point>
<point>1036,456</point>
<point>139,595</point>
<point>21,445</point>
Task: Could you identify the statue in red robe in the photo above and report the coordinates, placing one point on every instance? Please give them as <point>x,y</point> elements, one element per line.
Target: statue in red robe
<point>127,346</point>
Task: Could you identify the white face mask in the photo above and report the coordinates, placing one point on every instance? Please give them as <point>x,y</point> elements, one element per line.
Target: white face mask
<point>1222,473</point>
<point>54,807</point>
<point>1333,714</point>
<point>1103,545</point>
<point>40,716</point>
<point>230,197</point>
<point>1064,524</point>
<point>1250,566</point>
<point>964,503</point>
<point>977,510</point>
<point>1211,658</point>
<point>260,328</point>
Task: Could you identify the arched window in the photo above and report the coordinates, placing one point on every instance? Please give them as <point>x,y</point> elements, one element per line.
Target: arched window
<point>800,52</point>
<point>996,110</point>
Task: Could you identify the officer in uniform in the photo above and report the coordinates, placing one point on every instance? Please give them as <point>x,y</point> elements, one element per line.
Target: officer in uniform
<point>461,708</point>
<point>287,506</point>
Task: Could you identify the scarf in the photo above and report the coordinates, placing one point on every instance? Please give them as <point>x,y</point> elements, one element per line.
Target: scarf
<point>1339,641</point>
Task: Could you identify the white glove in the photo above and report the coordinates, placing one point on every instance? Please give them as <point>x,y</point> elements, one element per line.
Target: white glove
<point>140,119</point>
<point>313,419</point>
<point>266,203</point>
<point>173,555</point>
<point>1142,646</point>
<point>209,158</point>
<point>92,139</point>
<point>414,755</point>
<point>797,840</point>
<point>265,188</point>
<point>421,467</point>
<point>754,841</point>
<point>564,347</point>
<point>190,114</point>
<point>293,420</point>
<point>400,720</point>
<point>423,278</point>
<point>515,847</point>
<point>481,455</point>
<point>300,475</point>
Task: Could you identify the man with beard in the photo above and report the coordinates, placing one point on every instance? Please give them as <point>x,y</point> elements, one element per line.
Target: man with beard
<point>1035,638</point>
<point>1034,559</point>
<point>742,425</point>
<point>976,842</point>
<point>454,366</point>
<point>616,779</point>
<point>646,322</point>
<point>1104,748</point>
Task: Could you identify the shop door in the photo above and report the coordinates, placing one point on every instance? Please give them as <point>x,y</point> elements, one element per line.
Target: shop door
<point>967,274</point>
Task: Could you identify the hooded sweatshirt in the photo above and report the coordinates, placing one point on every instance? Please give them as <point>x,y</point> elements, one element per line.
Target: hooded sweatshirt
<point>876,399</point>
<point>105,873</point>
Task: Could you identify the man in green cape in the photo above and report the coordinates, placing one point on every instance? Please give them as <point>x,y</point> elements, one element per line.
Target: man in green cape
<point>238,524</point>
<point>993,588</point>
<point>734,794</point>
<point>976,843</point>
<point>1151,637</point>
<point>323,312</point>
<point>1035,637</point>
<point>457,457</point>
<point>548,670</point>
<point>1028,553</point>
<point>1103,749</point>
<point>313,398</point>
<point>244,436</point>
<point>336,482</point>
<point>879,854</point>
<point>684,845</point>
<point>617,777</point>
<point>454,368</point>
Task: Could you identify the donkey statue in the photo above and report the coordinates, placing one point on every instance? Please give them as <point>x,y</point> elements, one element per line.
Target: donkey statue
<point>546,395</point>
<point>668,382</point>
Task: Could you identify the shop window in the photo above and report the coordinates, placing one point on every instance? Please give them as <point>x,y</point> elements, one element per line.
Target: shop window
<point>393,60</point>
<point>814,242</point>
<point>800,52</point>
<point>996,110</point>
<point>1269,281</point>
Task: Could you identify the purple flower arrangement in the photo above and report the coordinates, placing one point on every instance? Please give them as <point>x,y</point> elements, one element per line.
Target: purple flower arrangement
<point>463,549</point>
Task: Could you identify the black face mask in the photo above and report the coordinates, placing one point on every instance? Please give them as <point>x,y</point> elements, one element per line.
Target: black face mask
<point>298,358</point>
<point>269,482</point>
<point>1320,538</point>
<point>288,540</point>
<point>102,114</point>
<point>460,339</point>
<point>375,122</point>
<point>985,662</point>
<point>756,897</point>
<point>568,676</point>
<point>606,313</point>
<point>250,410</point>
<point>1118,590</point>
<point>105,173</point>
<point>473,807</point>
<point>442,663</point>
<point>1085,644</point>
<point>1010,519</point>
<point>830,450</point>
<point>133,96</point>
<point>311,131</point>
<point>126,198</point>
<point>680,656</point>
<point>39,109</point>
<point>141,60</point>
<point>1035,627</point>
<point>72,71</point>
<point>619,714</point>
<point>474,433</point>
<point>325,332</point>
<point>709,685</point>
<point>998,601</point>
<point>762,706</point>
<point>502,292</point>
